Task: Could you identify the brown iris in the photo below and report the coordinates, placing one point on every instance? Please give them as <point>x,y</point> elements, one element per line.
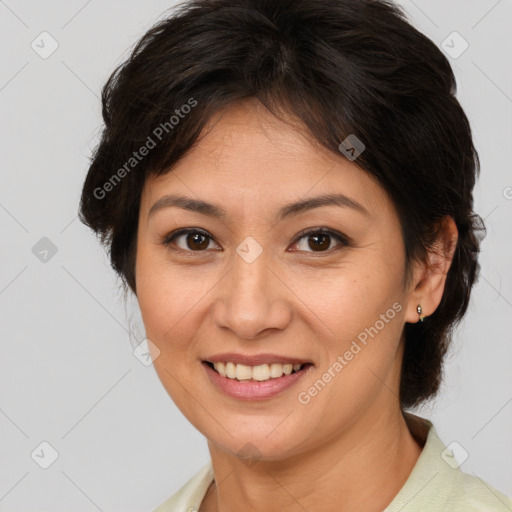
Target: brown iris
<point>322,241</point>
<point>197,241</point>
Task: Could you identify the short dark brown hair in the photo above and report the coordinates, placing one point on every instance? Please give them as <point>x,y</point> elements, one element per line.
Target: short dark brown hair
<point>340,67</point>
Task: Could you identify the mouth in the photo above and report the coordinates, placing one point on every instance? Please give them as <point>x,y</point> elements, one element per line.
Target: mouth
<point>260,382</point>
<point>259,373</point>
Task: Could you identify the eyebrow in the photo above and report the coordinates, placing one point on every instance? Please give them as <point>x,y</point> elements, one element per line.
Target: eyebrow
<point>212,210</point>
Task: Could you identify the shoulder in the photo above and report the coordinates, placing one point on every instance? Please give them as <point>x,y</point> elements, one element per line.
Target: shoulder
<point>191,494</point>
<point>470,493</point>
<point>437,483</point>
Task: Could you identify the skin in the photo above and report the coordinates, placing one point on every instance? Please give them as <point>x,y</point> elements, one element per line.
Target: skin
<point>349,448</point>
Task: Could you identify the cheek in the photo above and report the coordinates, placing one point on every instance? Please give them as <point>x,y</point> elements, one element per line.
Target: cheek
<point>345,300</point>
<point>168,300</point>
<point>360,358</point>
<point>358,311</point>
<point>158,293</point>
<point>171,298</point>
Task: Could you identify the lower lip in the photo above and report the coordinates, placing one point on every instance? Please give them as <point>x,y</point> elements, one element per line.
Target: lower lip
<point>253,389</point>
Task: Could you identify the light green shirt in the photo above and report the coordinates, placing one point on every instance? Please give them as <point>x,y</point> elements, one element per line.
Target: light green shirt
<point>436,484</point>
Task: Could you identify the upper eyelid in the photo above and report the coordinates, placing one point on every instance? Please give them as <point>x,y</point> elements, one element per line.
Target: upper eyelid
<point>329,231</point>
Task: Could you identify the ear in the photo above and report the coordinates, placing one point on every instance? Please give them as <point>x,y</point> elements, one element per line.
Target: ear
<point>429,278</point>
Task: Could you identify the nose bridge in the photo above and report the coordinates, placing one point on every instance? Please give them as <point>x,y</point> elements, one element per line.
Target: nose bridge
<point>250,271</point>
<point>251,300</point>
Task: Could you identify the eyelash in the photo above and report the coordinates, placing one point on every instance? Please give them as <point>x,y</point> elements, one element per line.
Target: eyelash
<point>167,240</point>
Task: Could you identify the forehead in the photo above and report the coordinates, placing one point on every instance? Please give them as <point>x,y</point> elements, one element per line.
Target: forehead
<point>250,136</point>
<point>248,153</point>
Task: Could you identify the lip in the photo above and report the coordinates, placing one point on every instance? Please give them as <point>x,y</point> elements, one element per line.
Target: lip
<point>253,389</point>
<point>254,360</point>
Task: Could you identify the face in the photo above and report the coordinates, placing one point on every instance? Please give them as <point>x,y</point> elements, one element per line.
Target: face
<point>319,285</point>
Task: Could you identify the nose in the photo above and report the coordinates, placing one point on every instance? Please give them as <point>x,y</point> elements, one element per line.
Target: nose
<point>252,298</point>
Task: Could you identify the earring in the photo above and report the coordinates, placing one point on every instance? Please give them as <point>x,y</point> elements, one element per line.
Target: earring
<point>420,311</point>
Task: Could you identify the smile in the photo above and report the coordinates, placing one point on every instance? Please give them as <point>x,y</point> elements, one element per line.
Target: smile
<point>254,382</point>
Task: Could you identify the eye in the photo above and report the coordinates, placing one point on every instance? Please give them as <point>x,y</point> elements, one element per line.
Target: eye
<point>193,240</point>
<point>320,240</point>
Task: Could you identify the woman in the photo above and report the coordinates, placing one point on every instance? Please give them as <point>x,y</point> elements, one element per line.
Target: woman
<point>286,187</point>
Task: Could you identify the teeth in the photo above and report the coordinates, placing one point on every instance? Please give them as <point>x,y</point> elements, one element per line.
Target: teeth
<point>243,372</point>
<point>276,370</point>
<point>221,368</point>
<point>260,373</point>
<point>230,370</point>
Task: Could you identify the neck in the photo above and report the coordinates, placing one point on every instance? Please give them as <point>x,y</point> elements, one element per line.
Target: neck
<point>362,469</point>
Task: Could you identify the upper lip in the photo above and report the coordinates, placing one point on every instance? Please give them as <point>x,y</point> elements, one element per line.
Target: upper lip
<point>254,360</point>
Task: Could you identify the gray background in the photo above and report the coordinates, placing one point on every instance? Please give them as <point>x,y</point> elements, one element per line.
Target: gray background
<point>68,375</point>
